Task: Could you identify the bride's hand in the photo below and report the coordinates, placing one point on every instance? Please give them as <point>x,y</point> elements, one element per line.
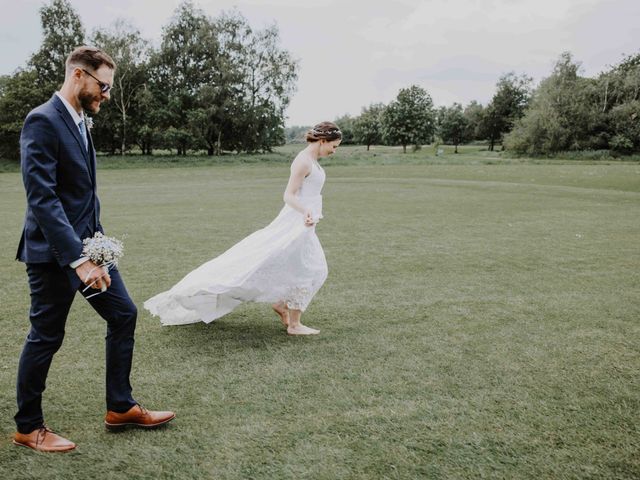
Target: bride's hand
<point>309,221</point>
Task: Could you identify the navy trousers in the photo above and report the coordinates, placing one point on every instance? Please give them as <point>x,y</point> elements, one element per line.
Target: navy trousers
<point>53,289</point>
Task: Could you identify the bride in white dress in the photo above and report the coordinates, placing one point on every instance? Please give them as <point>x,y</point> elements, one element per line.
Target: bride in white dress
<point>282,264</point>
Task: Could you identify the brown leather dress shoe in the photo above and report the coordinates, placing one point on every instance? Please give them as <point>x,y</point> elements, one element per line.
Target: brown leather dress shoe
<point>137,416</point>
<point>43,440</point>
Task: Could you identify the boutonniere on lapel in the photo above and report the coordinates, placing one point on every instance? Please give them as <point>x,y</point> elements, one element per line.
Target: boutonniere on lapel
<point>89,121</point>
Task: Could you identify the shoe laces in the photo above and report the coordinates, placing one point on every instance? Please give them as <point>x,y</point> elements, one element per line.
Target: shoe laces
<point>143,410</point>
<point>42,433</point>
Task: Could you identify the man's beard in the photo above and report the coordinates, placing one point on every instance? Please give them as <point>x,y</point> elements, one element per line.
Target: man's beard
<point>86,102</point>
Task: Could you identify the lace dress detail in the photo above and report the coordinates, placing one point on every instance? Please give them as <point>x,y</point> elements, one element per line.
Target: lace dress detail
<point>298,298</point>
<point>282,262</point>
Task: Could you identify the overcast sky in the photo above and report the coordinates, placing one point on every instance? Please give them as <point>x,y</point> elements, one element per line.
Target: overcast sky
<point>353,53</point>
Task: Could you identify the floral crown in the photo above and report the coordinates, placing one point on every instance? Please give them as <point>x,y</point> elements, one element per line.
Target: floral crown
<point>332,131</point>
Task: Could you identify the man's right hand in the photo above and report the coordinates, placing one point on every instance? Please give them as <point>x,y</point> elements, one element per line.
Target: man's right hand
<point>91,274</point>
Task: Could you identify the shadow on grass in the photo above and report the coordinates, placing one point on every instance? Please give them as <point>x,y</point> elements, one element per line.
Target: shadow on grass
<point>235,333</point>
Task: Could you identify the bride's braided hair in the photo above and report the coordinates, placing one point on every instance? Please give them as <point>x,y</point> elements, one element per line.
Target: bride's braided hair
<point>324,131</point>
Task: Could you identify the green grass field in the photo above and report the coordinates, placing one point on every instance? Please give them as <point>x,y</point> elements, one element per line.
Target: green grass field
<point>481,319</point>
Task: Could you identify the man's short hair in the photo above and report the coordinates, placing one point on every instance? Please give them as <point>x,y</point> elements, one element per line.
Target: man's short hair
<point>88,57</point>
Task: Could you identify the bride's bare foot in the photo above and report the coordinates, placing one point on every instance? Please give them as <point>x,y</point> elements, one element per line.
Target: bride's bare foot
<point>283,312</point>
<point>302,330</point>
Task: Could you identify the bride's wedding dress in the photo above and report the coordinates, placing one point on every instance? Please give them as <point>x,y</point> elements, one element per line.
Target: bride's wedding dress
<point>282,262</point>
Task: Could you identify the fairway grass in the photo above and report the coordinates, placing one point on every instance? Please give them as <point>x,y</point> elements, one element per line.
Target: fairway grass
<point>479,321</point>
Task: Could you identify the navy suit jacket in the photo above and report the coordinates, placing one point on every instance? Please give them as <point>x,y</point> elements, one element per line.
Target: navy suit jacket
<point>59,176</point>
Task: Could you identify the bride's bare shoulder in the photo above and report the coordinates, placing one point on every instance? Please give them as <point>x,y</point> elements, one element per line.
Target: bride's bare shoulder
<point>303,160</point>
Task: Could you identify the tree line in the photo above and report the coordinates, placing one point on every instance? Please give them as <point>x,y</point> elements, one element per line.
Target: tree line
<point>213,83</point>
<point>216,84</point>
<point>564,112</point>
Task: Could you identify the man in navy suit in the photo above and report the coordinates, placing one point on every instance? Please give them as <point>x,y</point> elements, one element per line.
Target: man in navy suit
<point>59,173</point>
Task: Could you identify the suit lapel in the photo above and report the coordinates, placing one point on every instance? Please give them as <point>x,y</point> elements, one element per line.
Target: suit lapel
<point>92,156</point>
<point>73,128</point>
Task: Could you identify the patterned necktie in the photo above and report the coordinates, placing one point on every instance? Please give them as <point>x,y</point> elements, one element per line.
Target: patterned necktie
<point>83,134</point>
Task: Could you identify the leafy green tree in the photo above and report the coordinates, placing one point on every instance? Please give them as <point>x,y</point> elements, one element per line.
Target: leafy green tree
<point>179,138</point>
<point>29,87</point>
<point>216,118</point>
<point>621,84</point>
<point>508,104</point>
<point>367,128</point>
<point>226,83</point>
<point>221,100</point>
<point>474,113</point>
<point>617,98</point>
<point>409,119</point>
<point>130,52</point>
<point>562,114</point>
<point>296,133</point>
<point>625,122</point>
<point>269,74</point>
<point>62,32</point>
<point>185,62</point>
<point>16,98</point>
<point>148,113</point>
<point>346,124</point>
<point>453,125</point>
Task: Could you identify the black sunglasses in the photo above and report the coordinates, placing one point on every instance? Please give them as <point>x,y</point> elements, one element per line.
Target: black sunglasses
<point>104,87</point>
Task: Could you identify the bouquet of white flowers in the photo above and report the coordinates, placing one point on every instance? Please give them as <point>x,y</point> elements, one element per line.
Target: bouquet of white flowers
<point>103,251</point>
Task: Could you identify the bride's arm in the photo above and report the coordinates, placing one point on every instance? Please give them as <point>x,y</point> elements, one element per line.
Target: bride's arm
<point>299,169</point>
